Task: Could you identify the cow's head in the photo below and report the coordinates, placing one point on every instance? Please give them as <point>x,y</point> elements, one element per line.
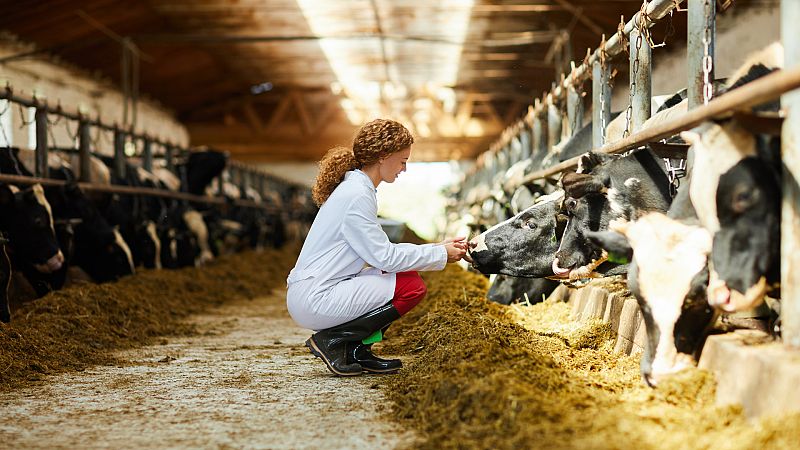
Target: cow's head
<point>27,217</point>
<point>738,201</point>
<point>522,246</point>
<point>668,276</point>
<point>587,209</point>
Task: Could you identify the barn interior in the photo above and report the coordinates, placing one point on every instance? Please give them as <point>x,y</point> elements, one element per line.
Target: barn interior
<point>274,85</point>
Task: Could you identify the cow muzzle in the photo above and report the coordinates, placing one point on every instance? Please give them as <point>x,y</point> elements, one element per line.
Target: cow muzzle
<point>53,264</point>
<point>721,297</point>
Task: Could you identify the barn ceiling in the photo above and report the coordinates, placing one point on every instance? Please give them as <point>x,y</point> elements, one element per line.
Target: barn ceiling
<point>273,80</point>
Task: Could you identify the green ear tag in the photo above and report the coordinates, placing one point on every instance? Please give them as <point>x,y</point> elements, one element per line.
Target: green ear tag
<point>373,338</point>
<point>617,259</point>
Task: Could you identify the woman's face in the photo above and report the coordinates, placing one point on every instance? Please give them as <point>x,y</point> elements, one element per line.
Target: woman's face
<point>394,164</point>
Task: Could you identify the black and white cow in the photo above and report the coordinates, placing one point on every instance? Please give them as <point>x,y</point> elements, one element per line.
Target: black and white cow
<point>605,188</point>
<point>525,244</point>
<point>27,220</point>
<point>506,290</point>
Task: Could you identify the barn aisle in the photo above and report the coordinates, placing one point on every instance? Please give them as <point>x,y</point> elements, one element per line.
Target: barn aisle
<point>244,381</point>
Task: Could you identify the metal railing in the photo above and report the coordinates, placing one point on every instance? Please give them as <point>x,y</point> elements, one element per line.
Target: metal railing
<point>247,176</point>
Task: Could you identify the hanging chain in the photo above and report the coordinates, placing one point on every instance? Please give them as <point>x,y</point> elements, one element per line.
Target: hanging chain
<point>22,110</point>
<point>708,62</point>
<point>603,55</point>
<point>632,90</point>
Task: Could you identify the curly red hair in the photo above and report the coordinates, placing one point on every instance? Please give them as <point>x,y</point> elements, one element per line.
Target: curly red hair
<point>375,140</point>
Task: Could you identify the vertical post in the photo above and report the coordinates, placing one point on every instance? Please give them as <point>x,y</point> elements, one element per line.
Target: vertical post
<point>262,185</point>
<point>85,151</point>
<point>574,110</point>
<point>539,135</point>
<point>169,161</point>
<point>640,73</point>
<point>147,154</point>
<point>41,143</point>
<point>221,184</point>
<point>244,180</point>
<point>601,103</point>
<point>553,123</point>
<point>525,141</point>
<point>119,153</point>
<point>701,16</point>
<point>790,224</point>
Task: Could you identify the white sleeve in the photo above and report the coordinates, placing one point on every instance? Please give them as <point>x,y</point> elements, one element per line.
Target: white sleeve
<point>364,234</point>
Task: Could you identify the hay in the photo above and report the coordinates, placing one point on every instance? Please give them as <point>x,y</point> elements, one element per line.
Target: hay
<point>76,327</point>
<point>475,378</point>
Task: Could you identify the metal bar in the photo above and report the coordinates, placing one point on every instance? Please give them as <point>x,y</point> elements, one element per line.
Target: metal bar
<point>539,135</point>
<point>697,21</point>
<point>85,152</point>
<point>790,211</point>
<point>119,153</point>
<point>525,141</point>
<point>169,162</point>
<point>760,91</point>
<point>601,102</point>
<point>41,169</point>
<point>574,110</point>
<point>553,124</point>
<point>147,154</point>
<point>7,94</point>
<point>640,74</point>
<point>117,189</point>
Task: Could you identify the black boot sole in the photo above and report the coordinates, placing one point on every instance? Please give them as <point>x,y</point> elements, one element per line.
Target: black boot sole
<point>381,372</point>
<point>316,352</point>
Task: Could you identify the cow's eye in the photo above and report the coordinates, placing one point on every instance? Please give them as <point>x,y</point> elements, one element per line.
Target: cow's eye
<point>570,204</point>
<point>529,224</point>
<point>743,199</point>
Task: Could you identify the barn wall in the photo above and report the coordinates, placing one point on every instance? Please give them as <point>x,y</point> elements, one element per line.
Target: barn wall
<point>738,35</point>
<point>75,88</point>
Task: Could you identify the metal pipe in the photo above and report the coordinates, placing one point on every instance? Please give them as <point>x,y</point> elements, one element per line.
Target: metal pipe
<point>760,91</point>
<point>525,141</point>
<point>119,153</point>
<point>147,154</point>
<point>601,102</point>
<point>553,124</point>
<point>169,162</point>
<point>539,135</point>
<point>117,189</point>
<point>41,169</point>
<point>85,152</point>
<point>790,221</point>
<point>7,94</point>
<point>701,16</point>
<point>640,80</point>
<point>574,110</point>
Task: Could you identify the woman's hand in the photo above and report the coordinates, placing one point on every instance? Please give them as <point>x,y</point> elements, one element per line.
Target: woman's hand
<point>456,248</point>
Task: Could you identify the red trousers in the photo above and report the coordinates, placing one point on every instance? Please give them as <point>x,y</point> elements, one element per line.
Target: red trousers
<point>408,291</point>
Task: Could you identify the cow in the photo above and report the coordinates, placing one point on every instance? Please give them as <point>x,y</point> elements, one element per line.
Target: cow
<point>667,275</point>
<point>506,290</point>
<point>86,238</point>
<point>523,245</point>
<point>722,225</point>
<point>26,218</point>
<point>606,187</point>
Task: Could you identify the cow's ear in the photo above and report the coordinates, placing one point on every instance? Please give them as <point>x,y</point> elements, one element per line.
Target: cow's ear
<point>616,244</point>
<point>589,160</point>
<point>577,185</point>
<point>6,195</point>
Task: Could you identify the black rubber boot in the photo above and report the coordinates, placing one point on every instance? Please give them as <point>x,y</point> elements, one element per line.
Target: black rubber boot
<point>331,344</point>
<point>362,354</point>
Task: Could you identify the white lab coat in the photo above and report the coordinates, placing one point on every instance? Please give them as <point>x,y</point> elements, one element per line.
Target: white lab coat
<point>347,265</point>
